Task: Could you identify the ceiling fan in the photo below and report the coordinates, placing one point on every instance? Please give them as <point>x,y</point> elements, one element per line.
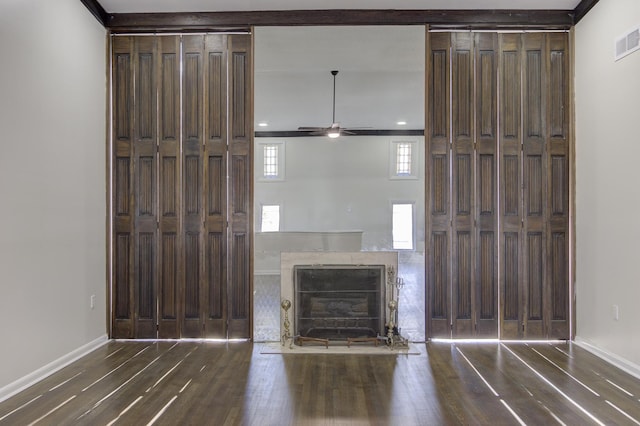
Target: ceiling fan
<point>334,130</point>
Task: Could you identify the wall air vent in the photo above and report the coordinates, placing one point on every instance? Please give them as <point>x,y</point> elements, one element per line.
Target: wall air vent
<point>628,43</point>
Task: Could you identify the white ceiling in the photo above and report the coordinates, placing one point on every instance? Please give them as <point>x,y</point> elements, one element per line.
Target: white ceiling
<point>380,80</point>
<point>149,6</point>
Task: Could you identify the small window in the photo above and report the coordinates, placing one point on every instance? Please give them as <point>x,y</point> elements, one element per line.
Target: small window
<point>402,226</point>
<point>270,161</point>
<point>403,160</point>
<point>270,218</point>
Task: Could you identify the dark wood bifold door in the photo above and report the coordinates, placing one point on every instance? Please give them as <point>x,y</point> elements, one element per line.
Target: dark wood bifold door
<point>181,186</point>
<point>498,185</point>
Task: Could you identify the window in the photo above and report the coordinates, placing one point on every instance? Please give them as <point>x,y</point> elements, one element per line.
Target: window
<point>403,160</point>
<point>270,161</point>
<point>402,226</point>
<point>270,156</point>
<point>270,221</point>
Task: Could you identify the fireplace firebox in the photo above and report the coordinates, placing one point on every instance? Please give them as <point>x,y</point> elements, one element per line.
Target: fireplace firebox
<point>339,302</point>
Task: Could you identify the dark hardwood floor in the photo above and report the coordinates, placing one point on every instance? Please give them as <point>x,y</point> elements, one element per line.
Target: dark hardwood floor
<point>205,383</point>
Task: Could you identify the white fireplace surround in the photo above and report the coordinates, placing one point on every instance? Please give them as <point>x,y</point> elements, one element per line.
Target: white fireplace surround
<point>288,260</point>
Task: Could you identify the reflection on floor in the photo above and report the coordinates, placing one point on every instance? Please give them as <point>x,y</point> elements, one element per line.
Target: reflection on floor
<point>192,382</point>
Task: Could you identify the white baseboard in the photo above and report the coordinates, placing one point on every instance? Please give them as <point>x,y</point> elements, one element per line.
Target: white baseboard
<point>34,377</point>
<point>617,361</point>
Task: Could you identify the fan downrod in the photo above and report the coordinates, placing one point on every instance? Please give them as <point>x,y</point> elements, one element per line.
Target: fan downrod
<point>333,118</point>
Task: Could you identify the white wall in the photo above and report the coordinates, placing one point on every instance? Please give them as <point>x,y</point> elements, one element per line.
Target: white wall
<point>331,187</point>
<point>342,185</point>
<point>607,193</point>
<point>52,183</point>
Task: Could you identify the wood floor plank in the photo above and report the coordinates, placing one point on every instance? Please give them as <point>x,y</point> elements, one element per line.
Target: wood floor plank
<point>588,380</point>
<point>570,390</point>
<point>199,382</point>
<point>462,392</point>
<point>533,399</point>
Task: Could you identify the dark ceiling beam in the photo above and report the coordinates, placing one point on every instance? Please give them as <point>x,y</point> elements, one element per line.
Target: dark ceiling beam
<point>444,19</point>
<point>351,132</point>
<point>582,9</point>
<point>96,10</point>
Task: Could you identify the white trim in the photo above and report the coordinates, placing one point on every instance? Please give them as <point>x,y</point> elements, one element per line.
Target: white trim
<point>613,359</point>
<point>43,372</point>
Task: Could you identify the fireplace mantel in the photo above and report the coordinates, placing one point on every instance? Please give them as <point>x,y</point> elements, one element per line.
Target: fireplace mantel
<point>288,260</point>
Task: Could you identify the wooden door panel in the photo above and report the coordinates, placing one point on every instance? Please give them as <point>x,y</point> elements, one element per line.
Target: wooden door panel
<point>215,324</point>
<point>487,323</point>
<point>486,211</point>
<point>510,300</point>
<point>240,300</point>
<point>215,187</point>
<point>438,262</point>
<point>535,302</point>
<point>505,199</point>
<point>169,191</point>
<point>559,286</point>
<point>440,295</point>
<point>558,213</point>
<point>510,141</point>
<point>462,292</point>
<point>145,295</point>
<point>172,229</point>
<point>168,297</point>
<point>145,186</point>
<point>192,315</point>
<point>239,292</point>
<point>534,285</point>
<point>192,187</point>
<point>122,325</point>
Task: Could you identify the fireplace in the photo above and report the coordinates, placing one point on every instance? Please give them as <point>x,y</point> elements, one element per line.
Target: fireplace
<point>335,295</point>
<point>338,302</point>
